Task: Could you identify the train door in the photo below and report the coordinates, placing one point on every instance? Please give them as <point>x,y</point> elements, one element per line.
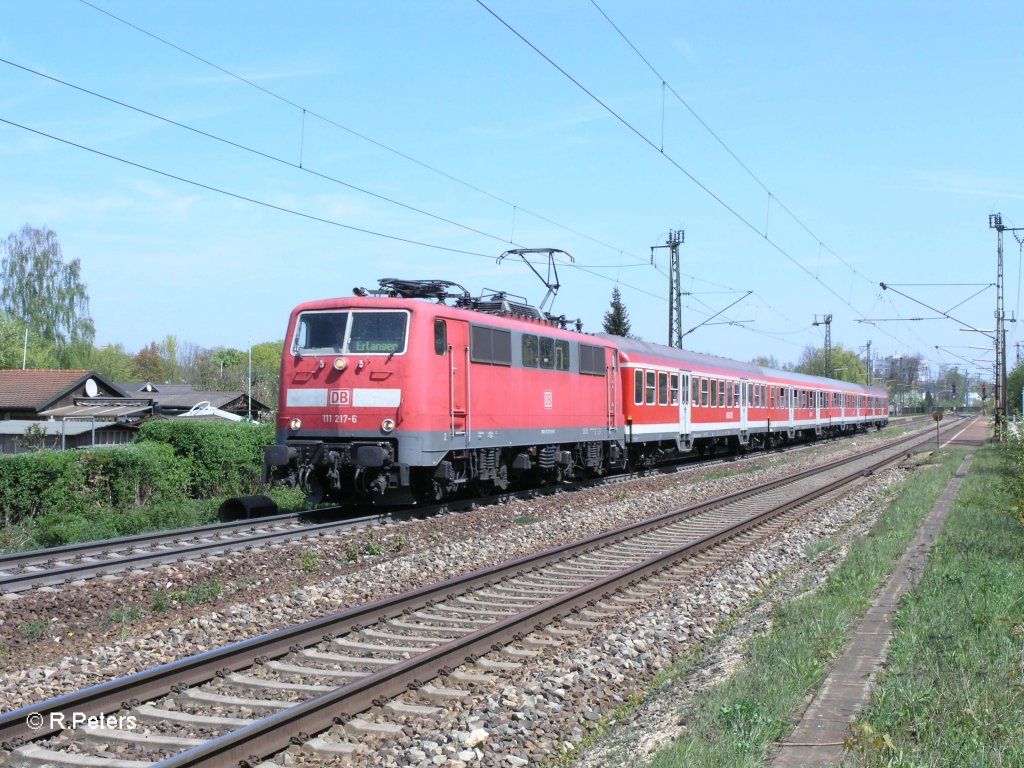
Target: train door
<point>611,367</point>
<point>684,405</point>
<point>458,382</point>
<point>744,405</point>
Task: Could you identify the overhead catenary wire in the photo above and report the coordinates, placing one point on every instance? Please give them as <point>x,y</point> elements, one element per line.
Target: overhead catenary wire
<point>650,143</point>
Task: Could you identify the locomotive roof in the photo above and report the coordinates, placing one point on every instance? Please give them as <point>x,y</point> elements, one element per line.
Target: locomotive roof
<point>637,346</point>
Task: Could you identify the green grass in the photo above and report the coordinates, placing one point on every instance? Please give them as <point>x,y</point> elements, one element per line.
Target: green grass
<point>953,690</point>
<point>735,722</point>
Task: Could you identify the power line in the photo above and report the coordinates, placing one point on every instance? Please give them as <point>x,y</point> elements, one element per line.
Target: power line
<point>306,111</point>
<point>721,142</point>
<point>639,134</point>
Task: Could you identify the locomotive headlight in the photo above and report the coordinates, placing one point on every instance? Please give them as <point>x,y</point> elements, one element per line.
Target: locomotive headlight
<point>340,363</point>
<point>296,424</point>
<point>387,425</point>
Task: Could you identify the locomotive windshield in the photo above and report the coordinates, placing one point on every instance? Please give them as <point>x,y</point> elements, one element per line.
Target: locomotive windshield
<point>355,333</point>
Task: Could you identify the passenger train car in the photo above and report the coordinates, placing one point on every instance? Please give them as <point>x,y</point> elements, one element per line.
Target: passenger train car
<point>389,398</point>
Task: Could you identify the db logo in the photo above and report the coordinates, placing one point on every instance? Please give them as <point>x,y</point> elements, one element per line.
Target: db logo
<point>548,400</point>
<point>340,397</point>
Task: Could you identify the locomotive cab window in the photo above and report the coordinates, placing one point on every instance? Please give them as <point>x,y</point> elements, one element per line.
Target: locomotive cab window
<point>362,333</point>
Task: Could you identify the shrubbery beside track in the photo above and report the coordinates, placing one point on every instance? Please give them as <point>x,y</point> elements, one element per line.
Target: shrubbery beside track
<point>172,475</point>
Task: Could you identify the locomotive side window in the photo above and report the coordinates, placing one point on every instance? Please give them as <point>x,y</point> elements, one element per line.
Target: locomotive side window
<point>638,387</point>
<point>529,351</point>
<point>651,377</point>
<point>547,353</point>
<point>662,388</point>
<point>591,360</point>
<point>562,354</point>
<point>440,337</point>
<point>490,345</point>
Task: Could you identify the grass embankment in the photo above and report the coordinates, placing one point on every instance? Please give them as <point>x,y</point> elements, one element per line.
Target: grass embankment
<point>952,693</point>
<point>735,723</point>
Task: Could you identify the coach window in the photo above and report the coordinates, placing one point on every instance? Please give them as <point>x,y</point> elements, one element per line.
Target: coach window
<point>673,389</point>
<point>529,351</point>
<point>662,388</point>
<point>547,352</point>
<point>562,354</point>
<point>638,387</point>
<point>721,393</point>
<point>714,393</point>
<point>704,392</point>
<point>695,391</point>
<point>651,378</point>
<point>440,337</point>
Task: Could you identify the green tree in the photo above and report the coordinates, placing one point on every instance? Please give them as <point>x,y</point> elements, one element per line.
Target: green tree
<point>1014,388</point>
<point>113,363</point>
<point>766,361</point>
<point>12,346</point>
<point>40,289</point>
<point>846,365</point>
<point>616,319</point>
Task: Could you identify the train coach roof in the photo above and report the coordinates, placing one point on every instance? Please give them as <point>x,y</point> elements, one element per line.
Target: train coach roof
<point>690,358</point>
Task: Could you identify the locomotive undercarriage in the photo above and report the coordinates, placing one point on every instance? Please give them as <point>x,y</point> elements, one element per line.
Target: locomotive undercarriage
<point>370,471</point>
<point>484,471</point>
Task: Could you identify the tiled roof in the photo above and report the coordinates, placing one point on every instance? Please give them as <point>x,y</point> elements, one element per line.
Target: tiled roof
<point>36,389</point>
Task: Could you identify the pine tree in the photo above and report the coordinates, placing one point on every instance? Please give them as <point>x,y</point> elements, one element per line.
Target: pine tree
<point>616,319</point>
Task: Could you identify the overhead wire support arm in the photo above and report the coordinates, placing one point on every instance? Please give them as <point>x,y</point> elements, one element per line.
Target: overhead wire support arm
<point>741,298</point>
<point>887,287</point>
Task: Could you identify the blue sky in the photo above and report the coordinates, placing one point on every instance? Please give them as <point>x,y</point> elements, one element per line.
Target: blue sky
<point>856,143</point>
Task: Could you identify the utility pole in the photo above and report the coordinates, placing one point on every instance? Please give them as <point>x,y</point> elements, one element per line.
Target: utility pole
<point>827,322</point>
<point>675,291</point>
<point>868,353</point>
<point>995,221</point>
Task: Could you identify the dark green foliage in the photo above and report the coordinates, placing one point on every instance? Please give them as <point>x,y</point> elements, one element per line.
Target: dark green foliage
<point>219,459</point>
<point>174,476</point>
<point>616,319</point>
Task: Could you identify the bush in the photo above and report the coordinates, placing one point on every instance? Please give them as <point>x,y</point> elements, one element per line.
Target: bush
<point>84,481</point>
<point>221,459</point>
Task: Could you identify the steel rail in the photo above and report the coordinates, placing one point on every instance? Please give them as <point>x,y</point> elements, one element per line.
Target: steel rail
<point>179,550</point>
<point>247,746</point>
<point>147,684</point>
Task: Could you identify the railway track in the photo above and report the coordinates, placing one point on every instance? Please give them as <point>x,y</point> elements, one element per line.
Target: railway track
<point>238,704</point>
<point>57,566</point>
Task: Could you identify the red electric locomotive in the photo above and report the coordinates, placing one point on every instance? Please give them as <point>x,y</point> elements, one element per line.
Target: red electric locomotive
<point>389,398</point>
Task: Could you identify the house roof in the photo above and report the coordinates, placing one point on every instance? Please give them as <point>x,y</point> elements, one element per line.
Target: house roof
<point>185,396</point>
<point>38,389</point>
